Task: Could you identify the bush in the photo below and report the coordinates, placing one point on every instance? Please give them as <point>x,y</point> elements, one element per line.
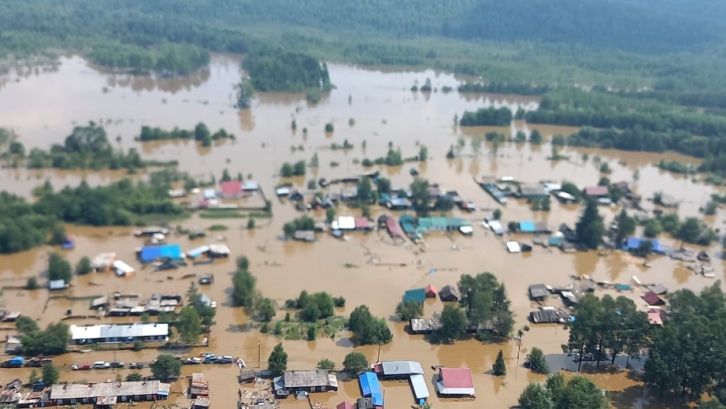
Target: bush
<point>84,266</point>
<point>312,332</point>
<point>138,345</point>
<point>339,302</point>
<point>32,283</point>
<point>326,364</point>
<point>329,127</point>
<point>536,361</point>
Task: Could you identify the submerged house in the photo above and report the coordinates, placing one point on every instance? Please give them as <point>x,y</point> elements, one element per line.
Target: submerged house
<point>107,393</point>
<point>117,333</point>
<point>455,382</point>
<point>449,293</point>
<point>231,189</point>
<point>532,192</point>
<point>315,380</point>
<point>371,388</point>
<point>167,251</point>
<point>417,295</point>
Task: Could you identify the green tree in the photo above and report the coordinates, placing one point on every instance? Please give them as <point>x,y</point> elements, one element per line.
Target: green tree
<point>326,364</point>
<point>535,137</point>
<point>188,325</point>
<point>287,170</point>
<point>243,263</point>
<point>365,190</point>
<point>330,214</point>
<point>590,228</point>
<point>556,386</point>
<point>453,322</point>
<point>535,396</point>
<point>138,345</point>
<point>134,377</point>
<point>329,127</point>
<point>499,368</point>
<point>57,235</point>
<point>299,168</point>
<point>59,268</point>
<point>497,214</point>
<point>243,292</point>
<point>32,283</point>
<point>355,363</point>
<point>582,393</point>
<point>51,341</point>
<point>84,266</point>
<point>605,168</point>
<point>423,153</point>
<point>312,333</point>
<point>408,310</point>
<point>652,228</point>
<point>26,325</point>
<point>625,226</point>
<point>201,132</point>
<point>420,197</point>
<point>265,309</point>
<point>367,329</point>
<point>537,362</point>
<point>277,363</point>
<point>33,379</point>
<point>166,366</point>
<point>50,374</point>
<point>251,223</point>
<point>245,92</point>
<point>712,403</point>
<point>225,176</point>
<point>520,137</point>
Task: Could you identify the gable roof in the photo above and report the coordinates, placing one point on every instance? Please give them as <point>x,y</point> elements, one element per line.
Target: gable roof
<point>231,187</point>
<point>418,295</point>
<point>314,377</point>
<point>401,368</point>
<point>455,381</point>
<point>431,291</point>
<point>596,190</point>
<point>449,292</point>
<point>652,298</point>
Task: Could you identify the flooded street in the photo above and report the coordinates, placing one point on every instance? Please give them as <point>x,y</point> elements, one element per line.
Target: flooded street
<point>43,106</point>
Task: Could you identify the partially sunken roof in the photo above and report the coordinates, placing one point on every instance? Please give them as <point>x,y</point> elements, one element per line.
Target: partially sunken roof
<point>297,379</point>
<point>538,291</point>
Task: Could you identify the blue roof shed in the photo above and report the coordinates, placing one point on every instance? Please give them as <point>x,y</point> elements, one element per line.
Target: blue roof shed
<point>151,253</point>
<point>633,243</point>
<point>418,295</point>
<point>526,227</point>
<point>370,387</point>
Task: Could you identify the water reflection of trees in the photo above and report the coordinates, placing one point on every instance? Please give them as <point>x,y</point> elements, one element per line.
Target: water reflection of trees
<point>140,83</point>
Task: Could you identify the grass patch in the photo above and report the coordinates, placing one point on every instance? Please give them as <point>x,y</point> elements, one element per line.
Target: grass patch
<point>297,330</point>
<point>159,218</point>
<point>218,227</point>
<point>222,214</point>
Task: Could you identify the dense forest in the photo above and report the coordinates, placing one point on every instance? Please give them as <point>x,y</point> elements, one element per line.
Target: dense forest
<point>276,70</point>
<point>666,44</point>
<point>24,225</point>
<point>87,147</point>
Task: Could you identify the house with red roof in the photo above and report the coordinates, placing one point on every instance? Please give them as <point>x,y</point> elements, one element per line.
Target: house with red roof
<point>455,382</point>
<point>596,191</point>
<point>431,291</point>
<point>231,189</point>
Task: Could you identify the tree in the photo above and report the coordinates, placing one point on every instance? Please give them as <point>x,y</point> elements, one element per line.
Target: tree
<point>50,374</point>
<point>644,248</point>
<point>312,333</point>
<point>326,364</point>
<point>582,393</point>
<point>420,197</point>
<point>188,325</point>
<point>535,396</point>
<point>497,214</point>
<point>330,214</point>
<point>134,377</point>
<point>408,310</point>
<point>286,171</point>
<point>652,228</point>
<point>367,329</point>
<point>84,266</point>
<point>51,341</point>
<point>166,366</point>
<point>201,132</point>
<point>556,386</point>
<point>535,137</point>
<point>57,235</point>
<point>225,176</point>
<point>712,403</point>
<point>453,322</point>
<point>26,324</point>
<point>265,310</point>
<point>59,268</point>
<point>243,291</point>
<point>625,227</point>
<point>32,283</point>
<point>355,363</point>
<point>499,368</point>
<point>329,127</point>
<point>243,263</point>
<point>590,228</point>
<point>277,363</point>
<point>423,153</point>
<point>251,223</point>
<point>365,190</point>
<point>298,169</point>
<point>33,378</point>
<point>537,362</point>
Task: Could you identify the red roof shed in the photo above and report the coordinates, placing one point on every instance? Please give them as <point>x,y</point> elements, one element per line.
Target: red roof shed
<point>231,188</point>
<point>344,405</point>
<point>431,291</point>
<point>596,191</point>
<point>392,227</point>
<point>652,298</point>
<point>361,223</point>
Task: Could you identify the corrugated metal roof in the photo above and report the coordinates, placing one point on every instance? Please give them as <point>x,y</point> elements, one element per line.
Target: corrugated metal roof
<point>418,295</point>
<point>80,391</point>
<point>420,390</point>
<point>314,377</point>
<point>370,386</point>
<point>119,331</point>
<point>401,368</point>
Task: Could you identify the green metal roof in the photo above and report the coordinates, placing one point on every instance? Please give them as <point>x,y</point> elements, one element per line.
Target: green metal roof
<point>418,295</point>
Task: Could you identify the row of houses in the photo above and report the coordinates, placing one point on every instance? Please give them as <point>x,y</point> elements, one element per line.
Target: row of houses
<point>117,333</point>
<point>102,395</point>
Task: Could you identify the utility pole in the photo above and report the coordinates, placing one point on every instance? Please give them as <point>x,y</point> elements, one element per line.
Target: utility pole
<point>259,352</point>
<point>379,353</point>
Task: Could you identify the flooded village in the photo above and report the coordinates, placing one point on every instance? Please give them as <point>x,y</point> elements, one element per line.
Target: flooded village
<point>377,256</point>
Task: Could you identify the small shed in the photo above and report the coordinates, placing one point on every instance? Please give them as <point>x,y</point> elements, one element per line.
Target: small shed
<point>100,302</point>
<point>200,403</point>
<point>431,291</point>
<point>449,293</point>
<point>532,192</point>
<point>538,292</point>
<point>418,295</point>
<point>596,191</point>
<point>652,298</point>
<point>659,289</point>
<point>55,285</point>
<point>304,235</point>
<point>344,405</point>
<point>654,317</point>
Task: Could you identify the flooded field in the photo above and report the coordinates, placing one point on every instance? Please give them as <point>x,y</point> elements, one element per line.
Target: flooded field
<point>43,106</point>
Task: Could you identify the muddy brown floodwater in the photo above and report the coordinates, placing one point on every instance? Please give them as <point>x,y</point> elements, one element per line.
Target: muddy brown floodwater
<point>43,106</point>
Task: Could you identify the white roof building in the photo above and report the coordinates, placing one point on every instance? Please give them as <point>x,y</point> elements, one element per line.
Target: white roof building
<point>119,332</point>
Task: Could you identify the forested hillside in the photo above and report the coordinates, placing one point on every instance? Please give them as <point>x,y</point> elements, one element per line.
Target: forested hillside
<point>621,42</point>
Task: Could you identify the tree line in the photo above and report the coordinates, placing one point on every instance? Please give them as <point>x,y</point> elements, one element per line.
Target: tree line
<point>200,133</point>
<point>166,59</point>
<point>276,70</point>
<point>487,117</point>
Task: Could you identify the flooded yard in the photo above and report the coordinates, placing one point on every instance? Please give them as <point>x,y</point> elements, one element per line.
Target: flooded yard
<point>42,106</point>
